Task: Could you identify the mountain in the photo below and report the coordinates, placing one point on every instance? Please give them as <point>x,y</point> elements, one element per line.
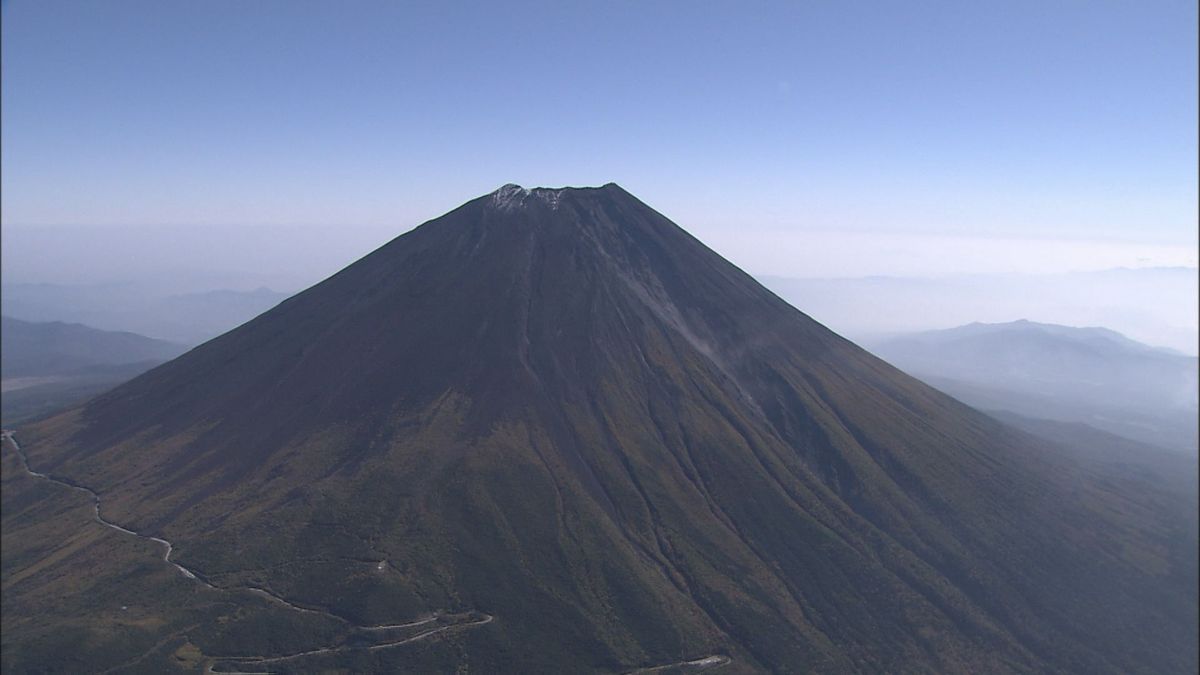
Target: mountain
<point>187,318</point>
<point>1083,439</point>
<point>27,398</point>
<point>46,367</point>
<point>1149,304</point>
<point>1090,375</point>
<point>550,431</point>
<point>55,348</point>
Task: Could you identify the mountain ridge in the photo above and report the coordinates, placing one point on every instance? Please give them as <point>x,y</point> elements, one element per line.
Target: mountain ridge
<point>1090,375</point>
<point>56,347</point>
<point>569,414</point>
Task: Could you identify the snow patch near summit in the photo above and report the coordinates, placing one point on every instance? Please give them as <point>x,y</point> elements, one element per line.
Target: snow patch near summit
<point>509,196</point>
<point>514,196</point>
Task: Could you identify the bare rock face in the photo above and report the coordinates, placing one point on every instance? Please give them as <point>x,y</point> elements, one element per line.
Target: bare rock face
<point>556,409</point>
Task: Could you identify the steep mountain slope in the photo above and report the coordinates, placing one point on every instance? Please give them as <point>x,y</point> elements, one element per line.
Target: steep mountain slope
<point>556,408</point>
<point>1090,375</point>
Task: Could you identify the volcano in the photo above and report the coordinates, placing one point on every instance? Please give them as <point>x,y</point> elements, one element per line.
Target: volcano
<point>550,431</point>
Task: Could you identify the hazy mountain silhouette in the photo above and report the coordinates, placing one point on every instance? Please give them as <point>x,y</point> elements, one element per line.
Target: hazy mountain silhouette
<point>1152,304</point>
<point>1090,375</point>
<point>1089,441</point>
<point>184,318</point>
<point>556,408</point>
<point>47,367</point>
<point>55,348</point>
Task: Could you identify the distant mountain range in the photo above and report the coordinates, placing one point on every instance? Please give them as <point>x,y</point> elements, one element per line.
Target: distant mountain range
<point>1155,305</point>
<point>47,366</point>
<point>548,432</point>
<point>56,348</point>
<point>183,318</point>
<point>1090,375</point>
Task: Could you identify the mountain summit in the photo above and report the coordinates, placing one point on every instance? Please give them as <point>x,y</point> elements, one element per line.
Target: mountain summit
<point>557,409</point>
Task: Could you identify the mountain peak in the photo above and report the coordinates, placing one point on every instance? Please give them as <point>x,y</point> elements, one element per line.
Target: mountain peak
<point>555,406</point>
<point>511,196</point>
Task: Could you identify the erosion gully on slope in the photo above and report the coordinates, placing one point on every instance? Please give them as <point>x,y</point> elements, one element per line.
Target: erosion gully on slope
<point>469,619</point>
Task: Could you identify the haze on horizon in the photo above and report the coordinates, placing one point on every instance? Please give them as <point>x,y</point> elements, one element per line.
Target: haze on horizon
<point>253,421</point>
<point>272,144</point>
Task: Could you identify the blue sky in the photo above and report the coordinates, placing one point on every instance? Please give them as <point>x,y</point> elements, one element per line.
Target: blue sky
<point>777,123</point>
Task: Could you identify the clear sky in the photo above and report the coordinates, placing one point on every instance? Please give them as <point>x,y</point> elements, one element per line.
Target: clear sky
<point>786,134</point>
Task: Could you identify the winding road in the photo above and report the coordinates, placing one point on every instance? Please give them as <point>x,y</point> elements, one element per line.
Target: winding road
<point>471,619</point>
<point>263,660</point>
<point>167,547</point>
<point>695,665</point>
